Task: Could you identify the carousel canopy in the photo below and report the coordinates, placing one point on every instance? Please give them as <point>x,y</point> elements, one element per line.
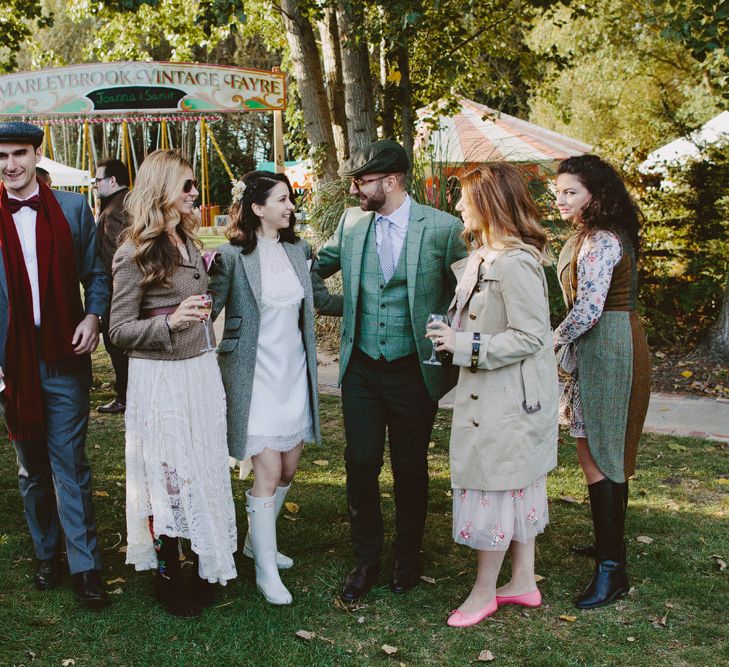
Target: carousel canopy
<point>63,176</point>
<point>478,134</point>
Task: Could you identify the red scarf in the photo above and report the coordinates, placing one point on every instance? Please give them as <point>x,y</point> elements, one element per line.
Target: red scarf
<point>61,312</point>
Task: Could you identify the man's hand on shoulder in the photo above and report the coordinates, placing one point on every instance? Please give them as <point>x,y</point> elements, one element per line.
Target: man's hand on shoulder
<point>86,336</point>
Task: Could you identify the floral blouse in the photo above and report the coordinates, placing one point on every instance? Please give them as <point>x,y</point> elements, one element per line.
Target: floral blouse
<point>598,256</point>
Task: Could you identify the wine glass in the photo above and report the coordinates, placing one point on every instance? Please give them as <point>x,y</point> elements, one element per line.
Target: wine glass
<point>434,317</point>
<point>206,305</point>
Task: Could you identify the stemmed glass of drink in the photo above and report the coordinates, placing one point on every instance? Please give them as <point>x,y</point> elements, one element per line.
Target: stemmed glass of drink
<point>434,317</point>
<point>206,305</point>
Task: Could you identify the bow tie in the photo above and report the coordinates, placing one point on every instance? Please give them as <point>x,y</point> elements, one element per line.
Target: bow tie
<point>16,204</point>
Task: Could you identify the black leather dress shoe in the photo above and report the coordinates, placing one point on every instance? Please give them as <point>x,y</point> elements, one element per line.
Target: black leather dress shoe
<point>49,574</point>
<point>112,408</point>
<point>89,589</point>
<point>404,577</point>
<point>358,582</point>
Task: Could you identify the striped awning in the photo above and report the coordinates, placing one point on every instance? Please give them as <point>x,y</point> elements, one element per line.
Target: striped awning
<point>478,134</point>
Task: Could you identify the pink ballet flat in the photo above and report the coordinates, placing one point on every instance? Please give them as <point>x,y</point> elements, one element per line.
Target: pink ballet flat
<point>458,619</point>
<point>533,599</point>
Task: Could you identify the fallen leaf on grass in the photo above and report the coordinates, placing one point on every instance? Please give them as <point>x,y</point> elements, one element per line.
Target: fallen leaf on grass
<point>644,539</point>
<point>687,374</point>
<point>68,662</point>
<point>321,462</point>
<point>723,480</point>
<point>485,656</point>
<point>675,447</point>
<point>305,635</point>
<point>116,591</point>
<point>430,580</point>
<point>31,655</point>
<point>661,623</point>
<point>389,650</point>
<point>569,499</point>
<point>290,518</point>
<point>431,445</point>
<point>719,561</point>
<point>386,495</point>
<point>118,580</point>
<point>101,494</point>
<point>567,618</point>
<point>292,507</point>
<point>538,578</point>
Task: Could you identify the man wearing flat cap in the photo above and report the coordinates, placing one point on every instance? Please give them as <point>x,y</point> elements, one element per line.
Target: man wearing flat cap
<point>395,257</point>
<point>47,334</point>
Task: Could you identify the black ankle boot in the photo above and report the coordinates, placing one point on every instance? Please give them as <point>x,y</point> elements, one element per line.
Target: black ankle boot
<point>610,580</point>
<point>171,590</point>
<point>203,592</point>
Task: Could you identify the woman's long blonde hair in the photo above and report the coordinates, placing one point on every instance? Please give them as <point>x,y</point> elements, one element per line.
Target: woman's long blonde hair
<point>151,207</point>
<point>499,198</point>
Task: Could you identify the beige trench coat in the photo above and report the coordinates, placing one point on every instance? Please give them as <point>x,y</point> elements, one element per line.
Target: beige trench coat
<point>504,433</point>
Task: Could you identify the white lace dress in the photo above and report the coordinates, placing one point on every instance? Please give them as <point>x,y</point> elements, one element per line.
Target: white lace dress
<point>280,415</point>
<point>177,463</point>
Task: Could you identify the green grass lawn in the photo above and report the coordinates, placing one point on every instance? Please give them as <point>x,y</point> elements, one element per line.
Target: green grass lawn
<point>676,613</point>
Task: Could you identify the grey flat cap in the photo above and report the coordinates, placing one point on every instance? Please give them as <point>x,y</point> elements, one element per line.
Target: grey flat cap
<point>381,157</point>
<point>15,132</point>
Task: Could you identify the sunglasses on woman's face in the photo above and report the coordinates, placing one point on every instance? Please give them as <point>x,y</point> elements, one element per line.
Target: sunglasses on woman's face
<point>189,184</point>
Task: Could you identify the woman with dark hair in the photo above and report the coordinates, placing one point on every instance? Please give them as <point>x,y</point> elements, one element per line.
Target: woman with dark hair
<point>178,483</point>
<point>504,433</point>
<point>267,357</point>
<point>603,348</point>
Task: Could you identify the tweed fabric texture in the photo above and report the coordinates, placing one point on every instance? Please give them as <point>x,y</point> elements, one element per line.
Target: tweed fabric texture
<point>383,319</point>
<point>613,368</point>
<point>151,338</point>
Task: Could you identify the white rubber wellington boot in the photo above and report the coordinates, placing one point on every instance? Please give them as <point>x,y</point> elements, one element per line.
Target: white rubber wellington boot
<point>283,562</point>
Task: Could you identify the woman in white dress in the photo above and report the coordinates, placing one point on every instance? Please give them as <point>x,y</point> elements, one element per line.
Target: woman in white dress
<point>267,357</point>
<point>178,482</point>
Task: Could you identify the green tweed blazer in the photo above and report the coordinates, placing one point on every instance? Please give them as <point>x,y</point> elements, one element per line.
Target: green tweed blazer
<point>433,243</point>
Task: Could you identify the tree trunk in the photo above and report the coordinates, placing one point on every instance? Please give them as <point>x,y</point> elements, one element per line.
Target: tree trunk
<point>718,341</point>
<point>359,101</point>
<point>406,98</point>
<point>308,74</point>
<point>333,80</point>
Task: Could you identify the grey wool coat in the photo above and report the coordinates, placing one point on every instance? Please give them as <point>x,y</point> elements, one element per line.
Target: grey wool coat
<point>236,286</point>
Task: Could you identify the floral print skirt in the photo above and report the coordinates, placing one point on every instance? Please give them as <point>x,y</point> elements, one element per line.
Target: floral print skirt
<point>490,520</point>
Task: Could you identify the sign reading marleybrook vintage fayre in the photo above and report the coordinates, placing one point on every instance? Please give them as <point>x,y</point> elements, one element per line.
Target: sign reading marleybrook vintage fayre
<point>157,87</point>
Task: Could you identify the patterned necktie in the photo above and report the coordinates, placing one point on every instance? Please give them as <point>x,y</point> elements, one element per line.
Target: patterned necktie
<point>387,258</point>
<point>16,204</point>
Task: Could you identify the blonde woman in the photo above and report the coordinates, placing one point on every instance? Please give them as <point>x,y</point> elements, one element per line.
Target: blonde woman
<point>504,433</point>
<point>178,483</point>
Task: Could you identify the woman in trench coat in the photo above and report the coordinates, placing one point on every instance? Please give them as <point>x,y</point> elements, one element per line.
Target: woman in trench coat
<point>504,433</point>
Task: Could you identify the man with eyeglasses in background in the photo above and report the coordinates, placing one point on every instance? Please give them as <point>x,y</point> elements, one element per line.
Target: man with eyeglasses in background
<point>395,257</point>
<point>112,186</point>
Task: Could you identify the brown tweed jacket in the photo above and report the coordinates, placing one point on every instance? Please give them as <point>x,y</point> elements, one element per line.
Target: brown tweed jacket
<point>151,338</point>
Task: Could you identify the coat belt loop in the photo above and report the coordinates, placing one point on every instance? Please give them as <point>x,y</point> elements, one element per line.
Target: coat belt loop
<point>531,394</point>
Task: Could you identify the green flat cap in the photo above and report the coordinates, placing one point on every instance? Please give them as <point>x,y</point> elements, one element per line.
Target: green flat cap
<point>381,157</point>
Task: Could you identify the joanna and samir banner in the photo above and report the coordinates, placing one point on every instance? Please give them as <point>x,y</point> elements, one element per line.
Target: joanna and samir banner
<point>159,87</point>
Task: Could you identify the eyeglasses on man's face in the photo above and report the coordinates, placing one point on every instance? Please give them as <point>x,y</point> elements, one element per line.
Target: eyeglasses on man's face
<point>358,182</point>
<point>98,179</point>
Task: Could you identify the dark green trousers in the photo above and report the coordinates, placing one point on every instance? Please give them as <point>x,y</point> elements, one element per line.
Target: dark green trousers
<point>379,398</point>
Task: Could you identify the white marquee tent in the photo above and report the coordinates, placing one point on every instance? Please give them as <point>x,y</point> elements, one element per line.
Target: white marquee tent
<point>63,176</point>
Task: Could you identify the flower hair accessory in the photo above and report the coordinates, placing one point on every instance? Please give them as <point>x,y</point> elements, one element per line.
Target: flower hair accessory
<point>238,191</point>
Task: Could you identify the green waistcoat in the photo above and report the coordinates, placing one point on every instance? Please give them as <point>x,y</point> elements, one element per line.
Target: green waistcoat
<point>383,313</point>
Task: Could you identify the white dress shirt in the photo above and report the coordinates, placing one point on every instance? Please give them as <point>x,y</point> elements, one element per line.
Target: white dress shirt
<point>398,229</point>
<point>24,220</point>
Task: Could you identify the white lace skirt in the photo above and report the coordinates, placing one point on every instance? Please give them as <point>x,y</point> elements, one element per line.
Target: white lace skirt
<point>177,463</point>
<point>490,520</point>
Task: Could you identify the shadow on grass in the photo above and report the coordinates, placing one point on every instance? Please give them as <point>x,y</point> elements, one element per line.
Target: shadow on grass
<point>675,615</point>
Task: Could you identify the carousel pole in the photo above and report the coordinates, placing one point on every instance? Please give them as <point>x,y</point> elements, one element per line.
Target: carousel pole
<point>203,170</point>
<point>278,142</point>
<point>220,154</point>
<point>89,138</point>
<point>127,151</point>
<point>47,140</point>
<point>163,135</point>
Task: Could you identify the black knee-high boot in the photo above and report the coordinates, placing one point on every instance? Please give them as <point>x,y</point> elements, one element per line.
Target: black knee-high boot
<point>608,501</point>
<point>203,592</point>
<point>171,590</point>
<point>589,550</point>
